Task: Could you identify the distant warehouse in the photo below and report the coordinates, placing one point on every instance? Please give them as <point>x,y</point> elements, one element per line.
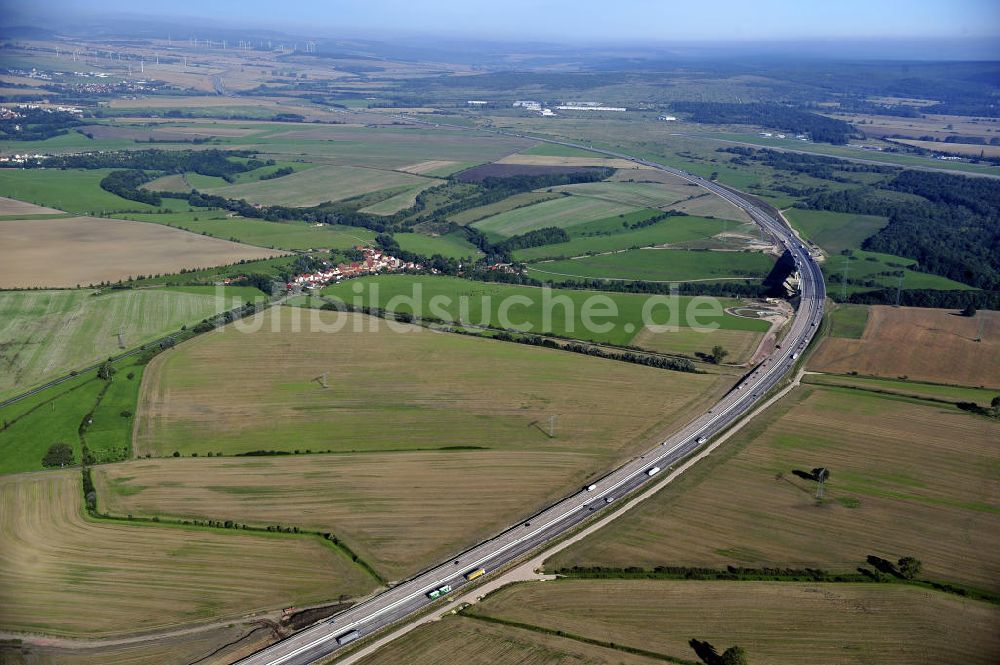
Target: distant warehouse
<point>589,106</point>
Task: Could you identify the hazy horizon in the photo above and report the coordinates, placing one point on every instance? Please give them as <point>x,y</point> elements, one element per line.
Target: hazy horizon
<point>965,28</point>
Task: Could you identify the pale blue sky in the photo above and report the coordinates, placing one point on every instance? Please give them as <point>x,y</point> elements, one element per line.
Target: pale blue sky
<point>585,20</point>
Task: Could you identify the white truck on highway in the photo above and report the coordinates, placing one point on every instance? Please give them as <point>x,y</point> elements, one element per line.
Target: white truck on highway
<point>653,471</point>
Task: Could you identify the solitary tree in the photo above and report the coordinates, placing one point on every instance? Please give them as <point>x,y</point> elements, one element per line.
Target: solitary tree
<point>707,654</point>
<point>58,454</point>
<point>106,371</point>
<point>909,567</point>
<point>718,354</point>
<point>734,656</point>
<point>970,310</point>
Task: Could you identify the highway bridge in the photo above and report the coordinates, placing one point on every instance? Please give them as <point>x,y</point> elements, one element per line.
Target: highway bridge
<point>324,639</point>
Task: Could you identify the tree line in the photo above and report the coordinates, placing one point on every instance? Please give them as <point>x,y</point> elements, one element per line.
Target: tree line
<point>818,127</point>
<point>952,229</point>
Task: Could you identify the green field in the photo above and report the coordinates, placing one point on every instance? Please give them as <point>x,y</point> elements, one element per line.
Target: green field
<point>45,334</point>
<point>835,231</point>
<point>510,203</point>
<point>479,303</point>
<point>72,190</point>
<point>200,398</point>
<point>401,201</point>
<point>918,389</point>
<point>848,321</point>
<point>671,230</point>
<point>55,418</point>
<point>566,212</point>
<point>880,270</point>
<point>323,183</point>
<point>658,265</point>
<point>276,235</point>
<point>452,245</point>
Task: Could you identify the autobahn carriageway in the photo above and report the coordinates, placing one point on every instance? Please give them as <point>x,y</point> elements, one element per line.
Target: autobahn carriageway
<point>324,639</point>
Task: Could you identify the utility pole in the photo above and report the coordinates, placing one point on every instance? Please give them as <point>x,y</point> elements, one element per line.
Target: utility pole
<point>552,426</point>
<point>899,286</point>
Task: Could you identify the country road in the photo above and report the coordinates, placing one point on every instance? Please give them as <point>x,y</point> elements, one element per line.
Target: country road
<point>410,597</point>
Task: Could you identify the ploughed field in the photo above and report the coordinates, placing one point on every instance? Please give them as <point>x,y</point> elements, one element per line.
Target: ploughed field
<point>934,345</point>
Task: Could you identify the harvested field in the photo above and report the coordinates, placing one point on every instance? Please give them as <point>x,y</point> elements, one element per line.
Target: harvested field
<point>506,170</point>
<point>933,345</point>
<point>281,235</point>
<point>637,194</point>
<point>11,207</point>
<point>33,252</point>
<point>217,646</point>
<point>426,166</point>
<point>964,149</point>
<point>145,576</point>
<point>564,212</point>
<point>325,183</point>
<point>555,160</point>
<point>171,132</point>
<point>788,623</point>
<point>709,205</point>
<point>906,479</point>
<point>202,397</point>
<point>464,641</point>
<point>739,343</point>
<point>399,511</point>
<point>390,146</point>
<point>44,334</point>
<point>169,183</point>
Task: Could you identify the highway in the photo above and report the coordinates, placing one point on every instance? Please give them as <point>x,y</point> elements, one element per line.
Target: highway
<point>323,640</point>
